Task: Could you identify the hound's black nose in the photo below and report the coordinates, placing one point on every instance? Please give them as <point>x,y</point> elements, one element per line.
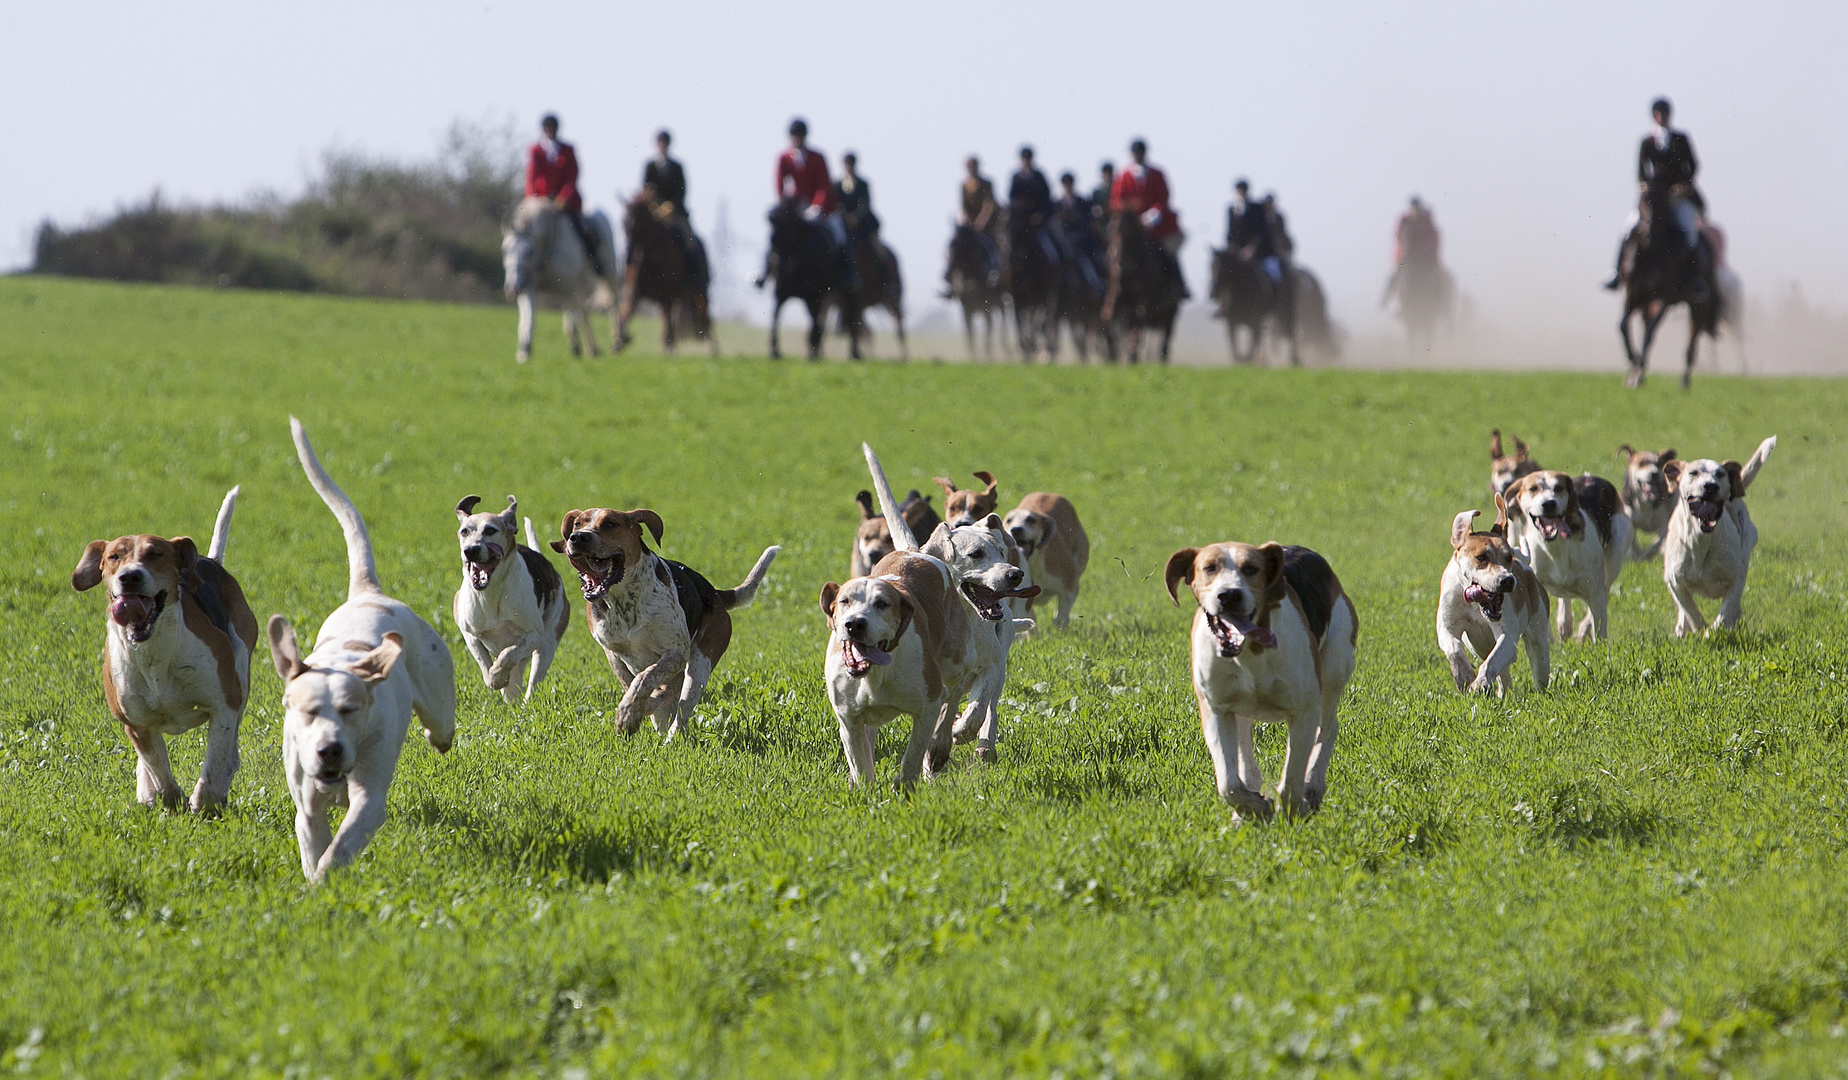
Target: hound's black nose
<point>855,625</point>
<point>1014,576</point>
<point>1230,599</point>
<point>1549,508</point>
<point>475,553</point>
<point>332,752</point>
<point>1506,585</point>
<point>582,536</point>
<point>130,579</point>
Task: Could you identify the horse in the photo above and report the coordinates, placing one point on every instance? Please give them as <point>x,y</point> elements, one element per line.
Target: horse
<point>1313,326</point>
<point>1248,299</point>
<point>1033,287</point>
<point>807,268</point>
<point>541,251</point>
<point>1427,298</point>
<point>1660,275</point>
<point>1078,305</point>
<point>660,270</point>
<point>970,286</point>
<point>881,286</point>
<point>1142,294</point>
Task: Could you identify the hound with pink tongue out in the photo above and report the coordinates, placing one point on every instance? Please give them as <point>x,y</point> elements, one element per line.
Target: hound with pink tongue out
<point>1489,601</point>
<point>511,607</point>
<point>1575,536</point>
<point>1707,550</point>
<point>1273,642</point>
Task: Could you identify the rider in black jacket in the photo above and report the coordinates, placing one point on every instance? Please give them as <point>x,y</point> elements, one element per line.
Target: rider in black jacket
<point>1665,172</point>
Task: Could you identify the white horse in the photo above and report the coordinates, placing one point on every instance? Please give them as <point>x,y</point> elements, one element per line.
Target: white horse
<point>540,250</point>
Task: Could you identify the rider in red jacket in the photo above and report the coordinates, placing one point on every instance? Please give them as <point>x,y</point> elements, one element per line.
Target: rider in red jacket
<point>552,174</point>
<point>1143,189</point>
<point>802,178</point>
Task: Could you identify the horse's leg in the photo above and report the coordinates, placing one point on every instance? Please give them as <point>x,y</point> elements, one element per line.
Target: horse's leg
<point>969,327</point>
<point>1652,320</point>
<point>571,330</point>
<point>587,328</point>
<point>776,313</point>
<point>898,316</point>
<point>1687,373</point>
<point>524,350</point>
<point>625,311</point>
<point>1632,378</point>
<point>670,310</point>
<point>818,324</point>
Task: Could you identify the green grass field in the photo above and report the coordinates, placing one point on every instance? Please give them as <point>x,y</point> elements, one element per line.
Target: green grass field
<point>1635,874</point>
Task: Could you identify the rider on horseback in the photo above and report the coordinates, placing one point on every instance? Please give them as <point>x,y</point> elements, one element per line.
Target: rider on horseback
<point>1415,238</point>
<point>1665,171</point>
<point>981,214</point>
<point>1100,195</point>
<point>552,174</point>
<point>664,189</point>
<point>802,178</point>
<point>1142,189</point>
<point>853,197</point>
<point>1252,235</point>
<point>1074,230</point>
<point>1029,205</point>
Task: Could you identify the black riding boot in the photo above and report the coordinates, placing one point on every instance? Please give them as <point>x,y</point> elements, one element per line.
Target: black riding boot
<point>589,242</point>
<point>1623,252</point>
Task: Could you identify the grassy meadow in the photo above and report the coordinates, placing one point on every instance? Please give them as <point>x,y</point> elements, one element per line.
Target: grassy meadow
<point>1637,873</point>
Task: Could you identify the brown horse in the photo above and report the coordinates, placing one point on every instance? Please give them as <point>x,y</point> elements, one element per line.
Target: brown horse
<point>1142,295</point>
<point>1661,274</point>
<point>971,286</point>
<point>659,270</point>
<point>881,286</point>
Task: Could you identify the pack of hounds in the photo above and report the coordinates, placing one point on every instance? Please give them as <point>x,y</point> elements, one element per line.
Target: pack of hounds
<point>920,628</point>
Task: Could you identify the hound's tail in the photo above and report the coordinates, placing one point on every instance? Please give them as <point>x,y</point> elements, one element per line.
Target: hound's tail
<point>221,529</point>
<point>1758,460</point>
<point>732,599</point>
<point>902,539</point>
<point>531,540</point>
<point>362,571</point>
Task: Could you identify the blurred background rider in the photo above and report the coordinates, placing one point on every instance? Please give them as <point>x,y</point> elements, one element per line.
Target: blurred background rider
<point>802,179</point>
<point>552,174</point>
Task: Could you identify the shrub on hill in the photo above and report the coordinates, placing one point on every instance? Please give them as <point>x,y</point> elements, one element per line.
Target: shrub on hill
<point>364,226</point>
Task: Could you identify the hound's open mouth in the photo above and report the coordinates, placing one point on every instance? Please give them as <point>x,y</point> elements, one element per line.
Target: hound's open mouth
<point>987,601</point>
<point>1026,547</point>
<point>1231,632</point>
<point>859,658</point>
<point>137,613</point>
<point>329,778</point>
<point>479,573</point>
<point>1706,513</point>
<point>1489,602</point>
<point>1553,528</point>
<point>597,575</point>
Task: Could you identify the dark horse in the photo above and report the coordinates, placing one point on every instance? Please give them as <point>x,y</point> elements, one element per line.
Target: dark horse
<point>1427,298</point>
<point>1081,299</point>
<point>807,268</point>
<point>970,286</point>
<point>660,270</point>
<point>1663,273</point>
<point>1248,299</point>
<point>1033,286</point>
<point>881,286</point>
<point>1142,294</point>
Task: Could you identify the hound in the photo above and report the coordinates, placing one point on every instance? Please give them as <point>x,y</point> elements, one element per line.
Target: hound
<point>511,610</point>
<point>873,540</point>
<point>1648,500</point>
<point>167,673</point>
<point>348,704</point>
<point>1575,536</point>
<point>1488,602</point>
<point>1273,642</point>
<point>992,577</point>
<point>902,640</point>
<point>1505,469</point>
<point>1707,550</point>
<point>963,507</point>
<point>1046,527</point>
<point>661,624</point>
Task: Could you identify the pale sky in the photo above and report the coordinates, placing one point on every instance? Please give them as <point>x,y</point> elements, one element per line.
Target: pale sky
<point>1519,125</point>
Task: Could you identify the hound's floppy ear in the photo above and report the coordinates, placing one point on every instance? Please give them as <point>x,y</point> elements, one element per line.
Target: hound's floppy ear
<point>1459,527</point>
<point>986,478</point>
<point>283,650</point>
<point>1735,480</point>
<point>1625,452</point>
<point>466,506</point>
<point>1665,456</point>
<point>375,666</point>
<point>992,521</point>
<point>1272,554</point>
<point>1180,568</point>
<point>907,611</point>
<point>867,510</point>
<point>1500,528</point>
<point>939,545</point>
<point>1672,470</point>
<point>1495,447</point>
<point>650,519</point>
<point>1520,449</point>
<point>89,572</point>
<point>944,483</point>
<point>829,593</point>
<point>1047,527</point>
<point>565,529</point>
<point>188,551</point>
<point>512,511</point>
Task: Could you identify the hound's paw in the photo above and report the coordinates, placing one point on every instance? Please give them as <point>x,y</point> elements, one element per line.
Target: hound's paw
<point>440,745</point>
<point>1246,803</point>
<point>986,754</point>
<point>205,803</point>
<point>1312,800</point>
